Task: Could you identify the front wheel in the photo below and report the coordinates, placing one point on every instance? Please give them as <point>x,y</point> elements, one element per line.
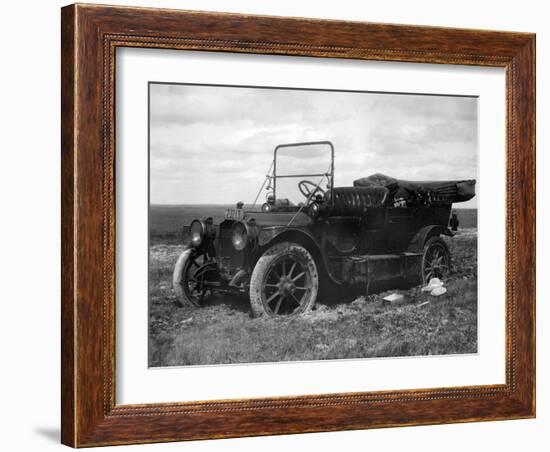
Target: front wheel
<point>436,259</point>
<point>285,281</point>
<point>189,278</point>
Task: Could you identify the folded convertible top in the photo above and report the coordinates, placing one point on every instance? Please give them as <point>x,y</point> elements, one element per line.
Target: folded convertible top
<point>431,191</point>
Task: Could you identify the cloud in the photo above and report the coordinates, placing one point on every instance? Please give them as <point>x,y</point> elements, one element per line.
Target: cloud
<point>215,144</point>
<point>186,104</point>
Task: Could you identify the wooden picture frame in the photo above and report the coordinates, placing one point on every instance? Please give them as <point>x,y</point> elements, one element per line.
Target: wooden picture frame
<point>90,35</point>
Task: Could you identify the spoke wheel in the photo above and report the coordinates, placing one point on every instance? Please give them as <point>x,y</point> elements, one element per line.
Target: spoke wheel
<point>188,280</point>
<point>284,281</point>
<point>436,260</point>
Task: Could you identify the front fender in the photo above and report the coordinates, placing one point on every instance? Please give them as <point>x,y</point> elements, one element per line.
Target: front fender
<point>277,234</point>
<point>267,235</point>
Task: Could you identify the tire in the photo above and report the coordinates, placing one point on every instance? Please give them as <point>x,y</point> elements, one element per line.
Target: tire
<point>436,260</point>
<point>284,281</point>
<point>188,293</point>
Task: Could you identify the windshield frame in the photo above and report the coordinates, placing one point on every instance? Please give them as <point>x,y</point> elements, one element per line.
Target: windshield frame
<point>329,175</point>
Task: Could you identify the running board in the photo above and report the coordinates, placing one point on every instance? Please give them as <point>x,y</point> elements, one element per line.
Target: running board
<point>368,268</point>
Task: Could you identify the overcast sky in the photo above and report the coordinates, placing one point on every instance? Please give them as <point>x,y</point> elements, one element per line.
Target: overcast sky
<point>212,144</point>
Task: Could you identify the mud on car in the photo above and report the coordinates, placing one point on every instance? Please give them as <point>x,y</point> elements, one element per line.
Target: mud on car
<point>282,254</point>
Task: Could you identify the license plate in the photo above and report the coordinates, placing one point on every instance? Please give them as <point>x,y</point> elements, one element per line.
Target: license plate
<point>234,214</point>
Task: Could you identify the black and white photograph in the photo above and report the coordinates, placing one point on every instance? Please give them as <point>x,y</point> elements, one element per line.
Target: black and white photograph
<point>292,224</point>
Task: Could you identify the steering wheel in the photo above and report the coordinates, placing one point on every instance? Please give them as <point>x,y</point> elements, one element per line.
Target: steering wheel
<point>308,189</point>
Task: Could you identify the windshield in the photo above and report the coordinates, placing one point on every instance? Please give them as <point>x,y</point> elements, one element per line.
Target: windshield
<point>302,170</point>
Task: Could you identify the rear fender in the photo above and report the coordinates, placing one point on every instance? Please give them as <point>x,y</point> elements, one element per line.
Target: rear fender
<point>418,241</point>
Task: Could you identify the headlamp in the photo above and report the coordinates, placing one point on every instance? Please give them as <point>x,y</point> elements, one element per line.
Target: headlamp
<point>196,232</point>
<point>243,234</point>
<point>239,238</point>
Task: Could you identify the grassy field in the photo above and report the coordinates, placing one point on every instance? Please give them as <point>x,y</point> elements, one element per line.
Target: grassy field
<point>348,326</point>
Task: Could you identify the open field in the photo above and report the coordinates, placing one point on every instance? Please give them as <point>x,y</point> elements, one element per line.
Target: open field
<point>351,325</point>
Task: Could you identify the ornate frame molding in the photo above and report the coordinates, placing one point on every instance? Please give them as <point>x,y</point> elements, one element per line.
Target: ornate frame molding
<point>90,37</point>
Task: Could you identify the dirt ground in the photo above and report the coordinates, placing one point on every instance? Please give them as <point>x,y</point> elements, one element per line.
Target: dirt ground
<point>350,326</point>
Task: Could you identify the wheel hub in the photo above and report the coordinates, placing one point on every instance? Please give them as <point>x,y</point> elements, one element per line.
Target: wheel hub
<point>286,285</point>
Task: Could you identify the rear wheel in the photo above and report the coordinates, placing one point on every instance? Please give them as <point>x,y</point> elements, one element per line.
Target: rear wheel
<point>436,259</point>
<point>285,281</point>
<point>189,277</point>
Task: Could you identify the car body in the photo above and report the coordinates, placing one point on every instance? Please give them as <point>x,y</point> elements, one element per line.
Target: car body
<point>282,254</point>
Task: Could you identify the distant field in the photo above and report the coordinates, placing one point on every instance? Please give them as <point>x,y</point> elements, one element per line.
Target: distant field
<point>467,217</point>
<point>166,221</point>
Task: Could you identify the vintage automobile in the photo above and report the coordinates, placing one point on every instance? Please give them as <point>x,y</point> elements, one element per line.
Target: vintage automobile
<point>282,254</point>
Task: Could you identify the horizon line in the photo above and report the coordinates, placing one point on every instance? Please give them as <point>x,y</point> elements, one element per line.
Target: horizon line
<point>151,204</point>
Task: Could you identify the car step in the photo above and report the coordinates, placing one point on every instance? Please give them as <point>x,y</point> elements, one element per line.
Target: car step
<point>360,269</point>
<point>379,257</point>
